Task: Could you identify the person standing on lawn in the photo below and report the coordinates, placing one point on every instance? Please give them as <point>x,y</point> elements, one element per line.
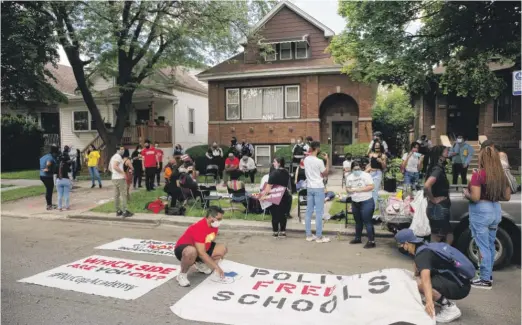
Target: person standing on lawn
<point>488,186</point>
<point>92,162</point>
<point>461,154</point>
<point>137,165</point>
<point>48,164</point>
<point>315,171</point>
<point>197,246</point>
<point>63,183</point>
<point>150,164</point>
<point>119,182</point>
<point>128,169</point>
<point>159,154</point>
<point>411,165</point>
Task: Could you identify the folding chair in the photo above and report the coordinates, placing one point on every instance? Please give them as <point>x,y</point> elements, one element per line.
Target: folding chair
<point>238,196</point>
<point>212,171</point>
<point>346,201</point>
<point>301,201</point>
<point>206,199</point>
<point>188,195</point>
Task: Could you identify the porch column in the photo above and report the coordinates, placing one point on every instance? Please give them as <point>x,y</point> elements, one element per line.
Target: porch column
<point>151,121</point>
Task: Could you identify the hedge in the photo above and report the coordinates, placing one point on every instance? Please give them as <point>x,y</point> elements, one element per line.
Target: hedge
<point>22,143</point>
<point>357,149</point>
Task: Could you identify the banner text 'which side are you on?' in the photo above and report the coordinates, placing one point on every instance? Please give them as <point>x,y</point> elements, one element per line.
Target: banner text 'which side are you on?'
<point>255,296</point>
<point>107,276</point>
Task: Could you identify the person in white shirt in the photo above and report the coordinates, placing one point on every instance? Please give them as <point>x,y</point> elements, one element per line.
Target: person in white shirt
<point>377,135</point>
<point>120,184</point>
<point>315,171</point>
<point>359,186</point>
<point>264,180</point>
<point>347,165</point>
<point>412,165</point>
<point>248,167</point>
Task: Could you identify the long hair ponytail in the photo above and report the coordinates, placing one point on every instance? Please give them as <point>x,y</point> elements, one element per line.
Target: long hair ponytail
<point>496,180</point>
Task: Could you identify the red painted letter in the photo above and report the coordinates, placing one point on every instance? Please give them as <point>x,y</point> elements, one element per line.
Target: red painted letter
<point>262,284</point>
<point>287,287</point>
<point>310,290</point>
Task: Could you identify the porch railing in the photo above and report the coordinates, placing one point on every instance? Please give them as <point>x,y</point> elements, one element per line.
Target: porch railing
<point>139,133</point>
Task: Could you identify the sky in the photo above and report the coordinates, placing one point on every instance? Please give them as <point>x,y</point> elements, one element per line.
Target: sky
<point>324,11</point>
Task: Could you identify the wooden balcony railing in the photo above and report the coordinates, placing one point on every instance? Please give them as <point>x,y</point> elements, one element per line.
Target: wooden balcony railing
<point>139,133</point>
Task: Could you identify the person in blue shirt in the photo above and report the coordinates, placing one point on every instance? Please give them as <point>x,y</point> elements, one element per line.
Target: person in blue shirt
<point>461,154</point>
<point>48,165</point>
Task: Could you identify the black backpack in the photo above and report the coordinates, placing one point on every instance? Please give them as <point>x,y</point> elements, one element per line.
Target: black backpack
<point>299,151</point>
<point>175,211</point>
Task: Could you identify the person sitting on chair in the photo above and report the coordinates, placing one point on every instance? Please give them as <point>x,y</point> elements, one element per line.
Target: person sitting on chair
<point>231,167</point>
<point>248,167</point>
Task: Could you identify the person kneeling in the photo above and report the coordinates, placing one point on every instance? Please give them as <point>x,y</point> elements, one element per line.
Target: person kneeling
<point>197,246</point>
<point>437,278</point>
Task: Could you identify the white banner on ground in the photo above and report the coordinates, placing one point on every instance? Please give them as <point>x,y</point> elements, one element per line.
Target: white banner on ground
<point>255,296</point>
<point>142,246</point>
<point>107,276</point>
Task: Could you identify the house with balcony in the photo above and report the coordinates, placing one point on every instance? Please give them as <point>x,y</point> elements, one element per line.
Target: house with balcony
<point>284,85</point>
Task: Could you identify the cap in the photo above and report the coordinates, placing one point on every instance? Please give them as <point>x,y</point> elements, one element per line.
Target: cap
<point>407,236</point>
<point>487,143</point>
<point>186,158</point>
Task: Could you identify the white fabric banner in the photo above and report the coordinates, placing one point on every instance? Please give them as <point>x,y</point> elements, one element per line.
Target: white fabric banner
<point>255,296</point>
<point>107,276</point>
<point>142,246</point>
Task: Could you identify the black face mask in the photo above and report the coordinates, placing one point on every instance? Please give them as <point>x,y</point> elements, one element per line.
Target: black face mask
<point>147,145</point>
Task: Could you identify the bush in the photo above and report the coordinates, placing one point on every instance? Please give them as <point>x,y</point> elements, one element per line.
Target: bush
<point>197,153</point>
<point>357,149</point>
<point>22,144</point>
<point>287,152</point>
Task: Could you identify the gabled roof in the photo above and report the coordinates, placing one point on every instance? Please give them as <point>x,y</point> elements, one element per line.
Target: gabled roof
<point>285,3</point>
<point>65,80</point>
<point>184,79</point>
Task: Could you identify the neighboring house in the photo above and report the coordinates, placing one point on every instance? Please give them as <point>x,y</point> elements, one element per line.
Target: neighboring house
<point>443,117</point>
<point>296,89</point>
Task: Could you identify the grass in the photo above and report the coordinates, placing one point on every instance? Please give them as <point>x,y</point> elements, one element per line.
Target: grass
<point>22,174</point>
<point>6,185</point>
<point>20,193</point>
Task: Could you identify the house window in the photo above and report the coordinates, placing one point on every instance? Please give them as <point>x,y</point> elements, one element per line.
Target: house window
<point>285,51</point>
<point>503,108</point>
<point>292,104</point>
<point>82,121</point>
<point>270,52</point>
<point>232,104</point>
<point>263,156</point>
<point>279,146</point>
<point>191,121</point>
<point>262,103</point>
<point>301,50</point>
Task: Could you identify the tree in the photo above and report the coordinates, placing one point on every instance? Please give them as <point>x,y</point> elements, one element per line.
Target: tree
<point>128,40</point>
<point>393,115</point>
<point>380,43</point>
<point>28,46</point>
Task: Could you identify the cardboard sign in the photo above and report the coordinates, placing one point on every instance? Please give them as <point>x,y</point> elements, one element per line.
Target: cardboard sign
<point>255,296</point>
<point>274,196</point>
<point>107,276</point>
<point>141,246</point>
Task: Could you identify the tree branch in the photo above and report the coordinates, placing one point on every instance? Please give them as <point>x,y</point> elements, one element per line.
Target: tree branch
<point>151,38</point>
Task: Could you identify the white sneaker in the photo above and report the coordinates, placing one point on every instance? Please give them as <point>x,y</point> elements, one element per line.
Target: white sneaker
<point>183,280</point>
<point>322,239</point>
<point>202,268</point>
<point>311,238</point>
<point>448,314</point>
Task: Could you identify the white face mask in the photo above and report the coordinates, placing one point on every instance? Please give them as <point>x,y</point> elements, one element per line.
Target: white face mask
<point>459,140</point>
<point>215,224</point>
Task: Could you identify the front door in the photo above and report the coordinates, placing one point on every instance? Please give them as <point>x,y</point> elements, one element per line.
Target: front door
<point>463,119</point>
<point>341,137</point>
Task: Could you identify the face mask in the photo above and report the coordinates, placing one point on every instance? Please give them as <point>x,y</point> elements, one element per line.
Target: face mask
<point>215,224</point>
<point>214,147</point>
<point>147,145</point>
<point>377,149</point>
<point>357,173</point>
<point>459,140</point>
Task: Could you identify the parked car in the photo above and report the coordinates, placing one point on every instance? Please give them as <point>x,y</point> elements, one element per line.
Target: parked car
<point>508,235</point>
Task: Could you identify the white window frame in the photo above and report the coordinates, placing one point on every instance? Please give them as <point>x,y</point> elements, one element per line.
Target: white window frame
<point>280,146</point>
<point>241,107</point>
<point>269,154</point>
<point>88,123</point>
<point>193,111</point>
<point>238,103</point>
<point>274,53</point>
<point>306,48</point>
<point>281,51</point>
<point>298,101</point>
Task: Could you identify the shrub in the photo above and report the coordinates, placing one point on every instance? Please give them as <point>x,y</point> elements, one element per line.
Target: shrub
<point>287,152</point>
<point>357,149</point>
<point>197,153</point>
<point>22,143</point>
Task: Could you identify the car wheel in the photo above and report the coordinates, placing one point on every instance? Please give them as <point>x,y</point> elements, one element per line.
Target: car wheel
<point>503,247</point>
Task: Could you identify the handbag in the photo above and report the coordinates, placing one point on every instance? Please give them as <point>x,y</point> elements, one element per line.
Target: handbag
<point>420,225</point>
<point>512,181</point>
<point>175,211</point>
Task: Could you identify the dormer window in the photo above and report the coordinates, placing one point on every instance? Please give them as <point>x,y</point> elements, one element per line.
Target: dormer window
<point>285,48</point>
<point>270,52</point>
<point>301,50</point>
<point>285,51</point>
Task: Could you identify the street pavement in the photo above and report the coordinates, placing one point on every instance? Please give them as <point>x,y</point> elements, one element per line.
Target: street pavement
<point>30,246</point>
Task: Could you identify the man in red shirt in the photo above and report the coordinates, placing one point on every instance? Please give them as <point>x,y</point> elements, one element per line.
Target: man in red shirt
<point>197,247</point>
<point>159,155</point>
<point>150,164</point>
<point>231,167</point>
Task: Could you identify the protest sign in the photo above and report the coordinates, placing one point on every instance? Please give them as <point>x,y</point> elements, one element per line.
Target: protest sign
<point>255,296</point>
<point>141,246</point>
<point>273,197</point>
<point>107,276</point>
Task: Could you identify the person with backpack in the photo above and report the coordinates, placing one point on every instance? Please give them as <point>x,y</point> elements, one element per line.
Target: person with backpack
<point>442,273</point>
<point>120,184</point>
<point>48,164</point>
<point>488,186</point>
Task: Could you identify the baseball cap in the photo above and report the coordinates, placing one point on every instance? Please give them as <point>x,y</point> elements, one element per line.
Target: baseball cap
<point>407,236</point>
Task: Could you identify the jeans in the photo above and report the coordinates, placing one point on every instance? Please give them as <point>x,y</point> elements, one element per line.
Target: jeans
<point>48,182</point>
<point>120,192</point>
<point>377,178</point>
<point>484,217</point>
<point>363,213</point>
<point>411,178</point>
<point>315,200</point>
<point>63,187</point>
<point>95,175</point>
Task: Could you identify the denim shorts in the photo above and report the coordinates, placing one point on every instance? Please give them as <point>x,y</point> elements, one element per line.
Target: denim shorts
<point>439,216</point>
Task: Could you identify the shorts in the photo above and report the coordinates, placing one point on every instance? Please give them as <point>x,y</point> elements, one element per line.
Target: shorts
<point>449,288</point>
<point>178,251</point>
<point>439,217</point>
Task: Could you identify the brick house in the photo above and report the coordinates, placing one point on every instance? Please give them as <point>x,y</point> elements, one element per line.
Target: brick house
<point>272,97</point>
<point>442,117</point>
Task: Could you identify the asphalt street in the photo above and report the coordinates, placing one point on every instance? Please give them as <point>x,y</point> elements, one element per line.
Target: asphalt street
<point>32,246</point>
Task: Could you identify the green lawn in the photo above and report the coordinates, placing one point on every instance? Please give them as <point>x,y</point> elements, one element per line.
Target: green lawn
<point>20,193</point>
<point>22,174</point>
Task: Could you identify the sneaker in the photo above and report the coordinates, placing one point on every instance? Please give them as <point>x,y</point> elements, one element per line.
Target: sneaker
<point>369,244</point>
<point>100,186</point>
<point>93,186</point>
<point>275,235</point>
<point>322,239</point>
<point>202,268</point>
<point>183,280</point>
<point>448,313</point>
<point>481,284</point>
<point>282,234</point>
<point>311,238</point>
<point>356,241</point>
<point>119,213</point>
<point>49,207</point>
<point>127,214</point>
